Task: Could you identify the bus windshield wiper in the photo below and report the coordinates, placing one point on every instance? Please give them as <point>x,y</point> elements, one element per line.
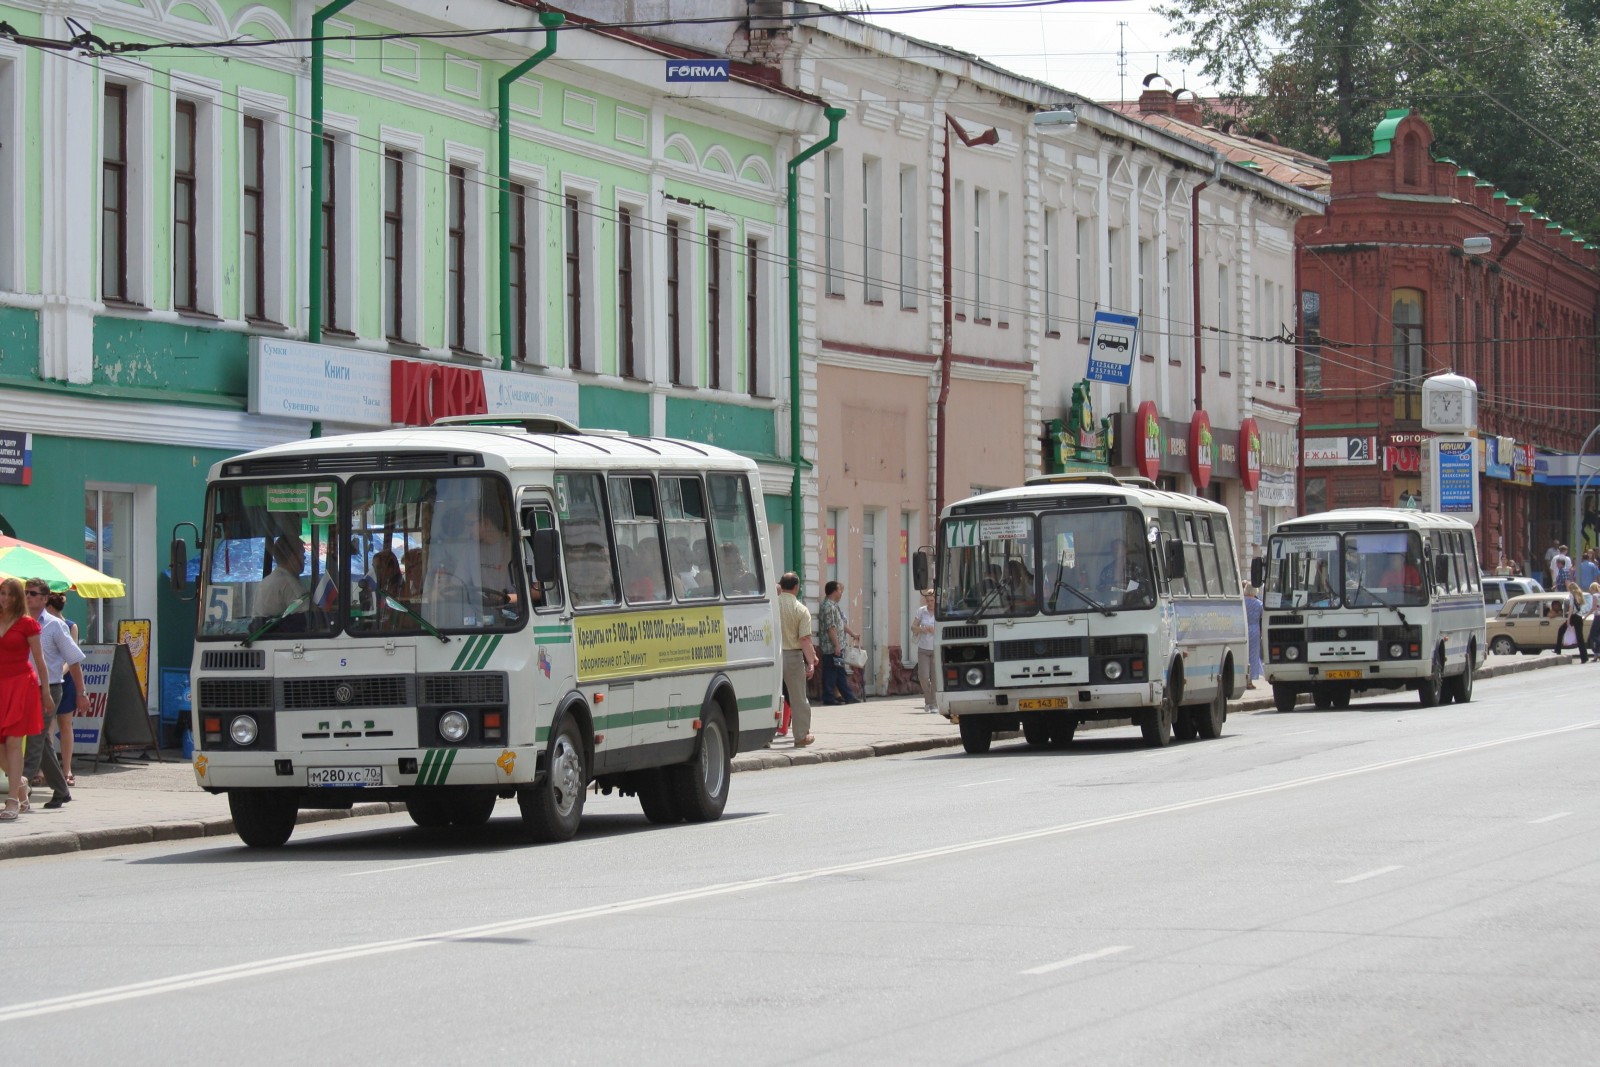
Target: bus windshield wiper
<point>989,598</point>
<point>1062,583</point>
<point>426,625</point>
<point>293,607</point>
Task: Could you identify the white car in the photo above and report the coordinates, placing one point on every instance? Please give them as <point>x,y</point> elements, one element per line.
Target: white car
<point>1497,590</point>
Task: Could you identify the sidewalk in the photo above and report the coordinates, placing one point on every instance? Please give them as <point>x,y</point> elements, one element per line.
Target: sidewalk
<point>132,801</point>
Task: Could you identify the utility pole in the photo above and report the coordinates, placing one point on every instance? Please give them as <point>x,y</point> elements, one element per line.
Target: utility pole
<point>1122,62</point>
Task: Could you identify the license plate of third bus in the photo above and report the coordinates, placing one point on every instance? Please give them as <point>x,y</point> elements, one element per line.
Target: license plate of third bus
<point>1341,674</point>
<point>1042,704</point>
<point>344,776</point>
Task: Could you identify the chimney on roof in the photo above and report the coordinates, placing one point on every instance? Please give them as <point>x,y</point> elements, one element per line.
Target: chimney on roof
<point>1187,110</point>
<point>1157,97</point>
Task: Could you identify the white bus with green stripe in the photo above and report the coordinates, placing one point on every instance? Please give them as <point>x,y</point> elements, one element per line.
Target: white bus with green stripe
<point>481,609</point>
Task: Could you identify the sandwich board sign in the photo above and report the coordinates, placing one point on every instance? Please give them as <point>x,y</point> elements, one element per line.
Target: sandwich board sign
<point>1111,347</point>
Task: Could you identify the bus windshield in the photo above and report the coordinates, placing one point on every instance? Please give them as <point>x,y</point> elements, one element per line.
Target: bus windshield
<point>1076,561</point>
<point>393,554</point>
<point>1379,568</point>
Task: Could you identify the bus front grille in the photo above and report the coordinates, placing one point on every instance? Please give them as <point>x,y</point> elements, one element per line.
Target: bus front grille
<point>463,689</point>
<point>1039,648</point>
<point>233,659</point>
<point>235,694</point>
<point>964,633</point>
<point>1343,633</point>
<point>375,691</point>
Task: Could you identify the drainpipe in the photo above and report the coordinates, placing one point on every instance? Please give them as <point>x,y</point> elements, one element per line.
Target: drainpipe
<point>1194,245</point>
<point>319,22</point>
<point>550,20</point>
<point>834,115</point>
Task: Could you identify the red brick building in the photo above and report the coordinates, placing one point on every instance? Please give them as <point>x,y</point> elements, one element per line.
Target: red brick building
<point>1390,295</point>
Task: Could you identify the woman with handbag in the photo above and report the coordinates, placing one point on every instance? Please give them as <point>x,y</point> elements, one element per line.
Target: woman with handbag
<point>1570,633</point>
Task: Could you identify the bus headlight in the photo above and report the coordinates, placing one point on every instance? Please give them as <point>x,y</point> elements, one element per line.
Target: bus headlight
<point>974,676</point>
<point>453,727</point>
<point>1291,653</point>
<point>1113,670</point>
<point>243,730</point>
<point>1397,650</point>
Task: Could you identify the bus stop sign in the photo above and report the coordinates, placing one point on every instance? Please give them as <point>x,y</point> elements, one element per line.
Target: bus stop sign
<point>1111,347</point>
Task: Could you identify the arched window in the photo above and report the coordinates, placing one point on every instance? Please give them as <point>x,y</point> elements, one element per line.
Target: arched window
<point>1405,312</point>
<point>1411,159</point>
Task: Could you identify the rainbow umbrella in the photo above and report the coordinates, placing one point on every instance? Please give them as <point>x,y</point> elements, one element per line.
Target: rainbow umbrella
<point>19,559</point>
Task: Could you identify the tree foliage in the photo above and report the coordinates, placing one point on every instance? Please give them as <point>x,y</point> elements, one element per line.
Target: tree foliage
<point>1503,83</point>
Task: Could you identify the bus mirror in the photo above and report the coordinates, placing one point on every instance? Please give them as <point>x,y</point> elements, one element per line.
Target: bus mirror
<point>1258,571</point>
<point>1175,559</point>
<point>180,564</point>
<point>921,564</point>
<point>546,555</point>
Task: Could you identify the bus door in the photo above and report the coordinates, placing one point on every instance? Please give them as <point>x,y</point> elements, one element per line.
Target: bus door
<point>553,656</point>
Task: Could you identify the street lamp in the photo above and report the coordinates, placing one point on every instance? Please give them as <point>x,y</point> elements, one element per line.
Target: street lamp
<point>989,136</point>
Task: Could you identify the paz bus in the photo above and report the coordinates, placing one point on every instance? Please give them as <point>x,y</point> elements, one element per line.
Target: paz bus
<point>1371,598</point>
<point>483,608</point>
<point>1079,597</point>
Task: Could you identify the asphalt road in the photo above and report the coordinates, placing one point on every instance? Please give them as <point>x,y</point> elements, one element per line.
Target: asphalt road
<point>1383,885</point>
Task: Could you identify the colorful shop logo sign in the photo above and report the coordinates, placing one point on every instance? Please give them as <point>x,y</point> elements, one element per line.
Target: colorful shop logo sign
<point>1147,440</point>
<point>1202,450</point>
<point>1250,445</point>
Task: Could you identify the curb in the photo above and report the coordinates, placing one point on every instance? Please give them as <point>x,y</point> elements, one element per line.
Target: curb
<point>764,760</point>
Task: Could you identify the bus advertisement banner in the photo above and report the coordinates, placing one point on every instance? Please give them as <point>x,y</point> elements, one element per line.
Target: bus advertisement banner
<point>651,642</point>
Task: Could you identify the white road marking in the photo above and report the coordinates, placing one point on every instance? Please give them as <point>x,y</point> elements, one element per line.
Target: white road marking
<point>386,870</point>
<point>1551,818</point>
<point>1075,960</point>
<point>992,781</point>
<point>298,961</point>
<point>1369,874</point>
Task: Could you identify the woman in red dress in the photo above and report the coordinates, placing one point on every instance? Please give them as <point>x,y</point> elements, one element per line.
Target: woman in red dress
<point>24,689</point>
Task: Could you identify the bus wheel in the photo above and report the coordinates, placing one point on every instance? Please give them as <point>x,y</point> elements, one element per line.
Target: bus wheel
<point>976,735</point>
<point>1184,728</point>
<point>1284,697</point>
<point>1322,697</point>
<point>1431,688</point>
<point>1460,686</point>
<point>470,808</point>
<point>263,818</point>
<point>700,786</point>
<point>1036,731</point>
<point>1156,723</point>
<point>1211,717</point>
<point>1062,729</point>
<point>553,806</point>
<point>1341,698</point>
<point>428,812</point>
<point>658,798</point>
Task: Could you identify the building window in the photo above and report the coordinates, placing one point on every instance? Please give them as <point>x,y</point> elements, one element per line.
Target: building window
<point>253,272</point>
<point>958,247</point>
<point>833,222</point>
<point>456,258</point>
<point>1050,276</point>
<point>676,321</point>
<point>1083,247</point>
<point>758,377</point>
<point>714,298</point>
<point>12,229</point>
<point>982,254</point>
<point>1171,301</point>
<point>185,203</point>
<point>114,187</point>
<point>1311,341</point>
<point>1149,328</point>
<point>330,237</point>
<point>1116,266</point>
<point>625,305</point>
<point>517,343</point>
<point>1000,259</point>
<point>1405,311</point>
<point>578,216</point>
<point>909,239</point>
<point>1224,345</point>
<point>871,230</point>
<point>394,244</point>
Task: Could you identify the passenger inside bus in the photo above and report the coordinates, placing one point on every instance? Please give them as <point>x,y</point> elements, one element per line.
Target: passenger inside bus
<point>1019,586</point>
<point>1122,576</point>
<point>283,588</point>
<point>1401,573</point>
<point>737,580</point>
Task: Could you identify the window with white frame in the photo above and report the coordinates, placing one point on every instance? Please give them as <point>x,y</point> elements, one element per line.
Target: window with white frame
<point>396,322</point>
<point>982,253</point>
<point>757,317</point>
<point>461,258</point>
<point>833,222</point>
<point>1000,262</point>
<point>577,241</point>
<point>1050,275</point>
<point>121,194</point>
<point>1083,280</point>
<point>1149,326</point>
<point>1116,270</point>
<point>679,352</point>
<point>871,230</point>
<point>185,206</point>
<point>957,244</point>
<point>910,239</point>
<point>12,229</point>
<point>629,262</point>
<point>525,263</point>
<point>338,172</point>
<point>1224,323</point>
<point>719,309</point>
<point>253,218</point>
<point>1170,301</point>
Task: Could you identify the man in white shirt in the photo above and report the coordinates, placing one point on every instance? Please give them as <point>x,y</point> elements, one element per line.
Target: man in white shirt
<point>61,654</point>
<point>279,590</point>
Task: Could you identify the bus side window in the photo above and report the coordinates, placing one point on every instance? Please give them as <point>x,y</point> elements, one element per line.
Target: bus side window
<point>733,525</point>
<point>683,511</point>
<point>1223,530</point>
<point>585,543</point>
<point>637,526</point>
<point>1208,555</point>
<point>1170,529</point>
<point>1191,555</point>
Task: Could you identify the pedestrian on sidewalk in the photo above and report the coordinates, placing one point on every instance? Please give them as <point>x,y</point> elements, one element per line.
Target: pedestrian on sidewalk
<point>833,631</point>
<point>24,691</point>
<point>799,655</point>
<point>1252,618</point>
<point>55,640</point>
<point>923,626</point>
<point>1574,622</point>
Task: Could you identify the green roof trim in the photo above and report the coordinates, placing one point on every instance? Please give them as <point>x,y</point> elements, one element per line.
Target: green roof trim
<point>1465,172</point>
<point>1484,185</point>
<point>1501,195</point>
<point>1250,164</point>
<point>1383,136</point>
<point>1446,159</point>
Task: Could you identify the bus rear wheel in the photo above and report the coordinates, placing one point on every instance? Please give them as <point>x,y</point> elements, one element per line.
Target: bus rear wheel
<point>472,807</point>
<point>657,797</point>
<point>263,818</point>
<point>1210,717</point>
<point>1431,688</point>
<point>1156,723</point>
<point>552,807</point>
<point>428,812</point>
<point>1036,731</point>
<point>1062,729</point>
<point>976,736</point>
<point>700,787</point>
<point>1285,697</point>
<point>1460,686</point>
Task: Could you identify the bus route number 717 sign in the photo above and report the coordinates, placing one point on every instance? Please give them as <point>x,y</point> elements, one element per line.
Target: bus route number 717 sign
<point>1111,346</point>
